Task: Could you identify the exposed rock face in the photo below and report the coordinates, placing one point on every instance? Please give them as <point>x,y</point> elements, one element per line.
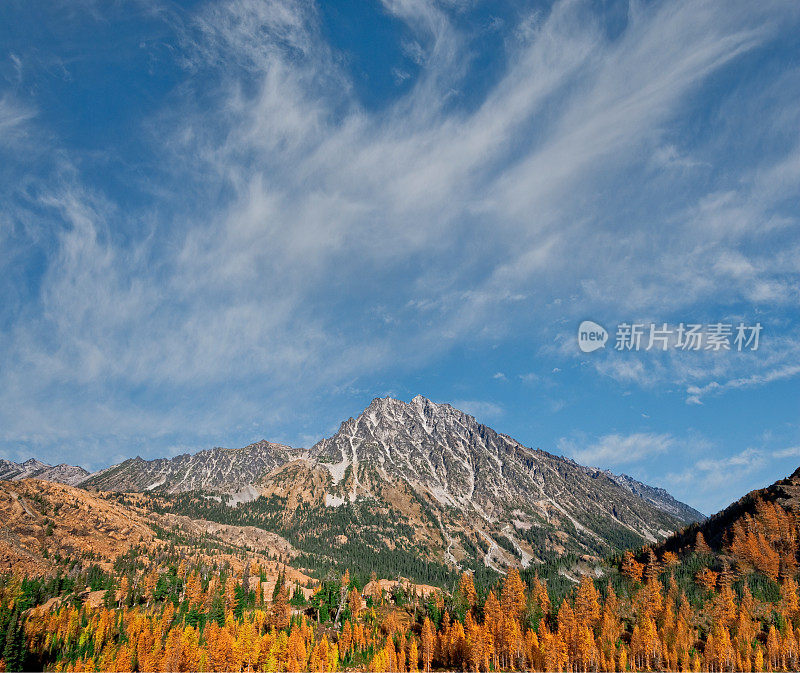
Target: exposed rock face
<point>656,496</point>
<point>421,477</point>
<point>35,469</point>
<point>214,470</point>
<point>522,503</point>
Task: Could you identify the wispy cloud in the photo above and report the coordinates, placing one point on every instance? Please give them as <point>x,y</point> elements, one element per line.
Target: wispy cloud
<point>13,117</point>
<point>789,452</point>
<point>284,214</point>
<point>695,393</point>
<point>741,471</point>
<point>617,449</point>
<point>480,409</point>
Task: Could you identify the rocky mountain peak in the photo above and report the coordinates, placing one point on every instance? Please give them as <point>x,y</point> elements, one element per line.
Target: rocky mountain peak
<point>32,463</point>
<point>217,470</point>
<point>394,409</point>
<point>391,415</point>
<point>469,493</point>
<point>36,469</point>
<point>485,485</point>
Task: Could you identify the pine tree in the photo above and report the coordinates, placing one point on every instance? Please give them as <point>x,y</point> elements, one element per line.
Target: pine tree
<point>492,614</point>
<point>631,568</point>
<point>587,607</point>
<point>281,610</point>
<point>513,598</point>
<point>190,649</point>
<point>700,544</point>
<point>354,603</point>
<point>217,611</point>
<point>707,579</point>
<point>413,656</point>
<point>466,588</point>
<point>428,644</point>
<point>14,648</point>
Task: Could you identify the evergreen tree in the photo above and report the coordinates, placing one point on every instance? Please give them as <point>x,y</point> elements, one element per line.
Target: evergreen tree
<point>217,611</point>
<point>14,648</point>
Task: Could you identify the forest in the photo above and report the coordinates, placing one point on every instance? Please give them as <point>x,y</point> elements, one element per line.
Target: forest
<point>735,608</point>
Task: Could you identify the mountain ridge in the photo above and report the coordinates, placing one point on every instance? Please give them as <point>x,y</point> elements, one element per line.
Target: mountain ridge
<point>475,492</point>
<point>217,470</point>
<point>658,496</point>
<point>433,481</point>
<point>36,469</point>
<point>718,529</point>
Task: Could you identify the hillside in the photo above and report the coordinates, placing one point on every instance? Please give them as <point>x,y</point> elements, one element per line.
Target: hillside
<point>656,496</point>
<point>44,522</point>
<point>421,488</point>
<point>760,531</point>
<point>149,581</point>
<point>48,528</point>
<point>172,606</point>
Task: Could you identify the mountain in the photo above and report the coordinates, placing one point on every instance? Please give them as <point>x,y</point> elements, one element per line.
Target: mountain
<point>415,482</point>
<point>761,530</point>
<point>229,471</point>
<point>656,496</point>
<point>481,492</point>
<point>35,469</point>
<point>460,462</point>
<point>411,484</point>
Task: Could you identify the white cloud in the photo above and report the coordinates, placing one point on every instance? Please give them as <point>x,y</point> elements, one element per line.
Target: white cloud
<point>784,371</point>
<point>617,449</point>
<point>704,476</point>
<point>286,211</point>
<point>789,452</point>
<point>480,409</point>
<point>13,119</point>
<point>748,459</point>
<point>715,481</point>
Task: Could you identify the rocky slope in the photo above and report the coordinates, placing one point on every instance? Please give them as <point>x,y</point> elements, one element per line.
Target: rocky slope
<point>44,522</point>
<point>35,469</point>
<point>229,471</point>
<point>415,481</point>
<point>655,496</point>
<point>480,493</point>
<point>49,527</point>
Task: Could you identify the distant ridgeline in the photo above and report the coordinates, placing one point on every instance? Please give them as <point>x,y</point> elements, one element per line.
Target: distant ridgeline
<point>417,489</point>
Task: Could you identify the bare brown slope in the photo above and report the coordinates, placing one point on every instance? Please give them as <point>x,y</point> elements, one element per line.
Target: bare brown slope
<point>43,522</point>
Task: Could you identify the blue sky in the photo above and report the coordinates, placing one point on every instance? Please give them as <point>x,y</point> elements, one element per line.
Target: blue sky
<point>229,221</point>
